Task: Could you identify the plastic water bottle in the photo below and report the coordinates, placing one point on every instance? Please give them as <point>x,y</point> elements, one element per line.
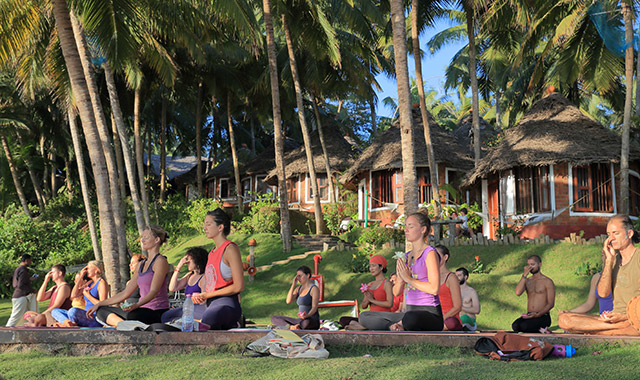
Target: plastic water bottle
<point>187,314</point>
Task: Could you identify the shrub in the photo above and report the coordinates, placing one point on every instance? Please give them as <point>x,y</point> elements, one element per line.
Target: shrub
<point>335,213</point>
<point>263,216</point>
<point>376,236</point>
<point>360,261</point>
<point>198,209</point>
<point>588,269</point>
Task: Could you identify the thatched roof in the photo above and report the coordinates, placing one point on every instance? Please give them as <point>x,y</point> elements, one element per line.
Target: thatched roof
<point>464,133</point>
<point>386,150</point>
<point>552,131</point>
<point>175,165</point>
<point>341,153</point>
<point>266,161</point>
<point>225,168</point>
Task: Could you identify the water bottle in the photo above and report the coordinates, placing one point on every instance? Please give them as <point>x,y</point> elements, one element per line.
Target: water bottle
<point>187,314</point>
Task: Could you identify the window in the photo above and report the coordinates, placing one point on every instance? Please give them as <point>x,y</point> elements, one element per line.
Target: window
<point>246,190</point>
<point>323,187</point>
<point>209,190</point>
<point>292,190</point>
<point>262,187</point>
<point>592,189</point>
<point>532,189</point>
<point>397,187</point>
<point>454,179</point>
<point>225,191</point>
<point>424,185</point>
<point>381,188</point>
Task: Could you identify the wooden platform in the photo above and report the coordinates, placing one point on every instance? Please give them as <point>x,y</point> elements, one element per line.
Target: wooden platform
<point>104,342</point>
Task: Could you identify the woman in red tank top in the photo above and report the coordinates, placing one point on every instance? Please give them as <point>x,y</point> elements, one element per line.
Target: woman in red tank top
<point>450,295</point>
<point>224,275</point>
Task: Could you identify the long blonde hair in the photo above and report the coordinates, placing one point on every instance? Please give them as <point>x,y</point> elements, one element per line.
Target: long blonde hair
<point>97,264</point>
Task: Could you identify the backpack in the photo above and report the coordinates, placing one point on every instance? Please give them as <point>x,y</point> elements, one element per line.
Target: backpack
<point>508,346</point>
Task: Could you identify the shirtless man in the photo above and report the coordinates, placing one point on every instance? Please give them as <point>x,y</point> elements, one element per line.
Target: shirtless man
<point>620,275</point>
<point>470,301</point>
<point>541,295</point>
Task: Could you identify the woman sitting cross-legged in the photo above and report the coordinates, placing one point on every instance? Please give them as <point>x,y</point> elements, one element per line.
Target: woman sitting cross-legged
<point>150,276</point>
<point>224,277</point>
<point>192,282</point>
<point>57,294</point>
<point>420,274</point>
<point>93,288</point>
<point>378,294</point>
<point>306,296</point>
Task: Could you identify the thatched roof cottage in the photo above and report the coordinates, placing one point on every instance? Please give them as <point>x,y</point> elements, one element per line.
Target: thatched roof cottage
<point>342,154</point>
<point>378,171</point>
<point>558,169</point>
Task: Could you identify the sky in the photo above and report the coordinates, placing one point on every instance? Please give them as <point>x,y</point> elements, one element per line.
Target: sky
<point>433,68</point>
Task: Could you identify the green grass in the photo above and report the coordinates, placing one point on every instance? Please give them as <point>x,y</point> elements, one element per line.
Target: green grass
<point>345,362</point>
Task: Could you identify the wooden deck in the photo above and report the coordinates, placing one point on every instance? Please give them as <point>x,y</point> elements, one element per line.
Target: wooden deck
<point>104,342</point>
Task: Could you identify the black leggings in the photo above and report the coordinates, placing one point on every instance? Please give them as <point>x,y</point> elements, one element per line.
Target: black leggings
<point>531,325</point>
<point>141,314</point>
<point>417,318</point>
<point>305,324</point>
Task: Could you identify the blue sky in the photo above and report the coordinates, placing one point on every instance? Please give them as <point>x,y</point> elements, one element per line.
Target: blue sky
<point>433,68</point>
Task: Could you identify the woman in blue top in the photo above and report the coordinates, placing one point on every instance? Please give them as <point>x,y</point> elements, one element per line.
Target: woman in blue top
<point>192,282</point>
<point>306,296</point>
<point>94,289</point>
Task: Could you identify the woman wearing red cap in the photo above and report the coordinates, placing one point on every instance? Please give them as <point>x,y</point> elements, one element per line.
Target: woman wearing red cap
<point>378,295</point>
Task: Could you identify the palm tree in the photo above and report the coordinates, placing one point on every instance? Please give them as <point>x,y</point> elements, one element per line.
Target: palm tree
<point>285,224</point>
<point>415,38</point>
<point>628,108</point>
<point>83,101</point>
<point>409,180</point>
<point>234,154</point>
<point>305,129</point>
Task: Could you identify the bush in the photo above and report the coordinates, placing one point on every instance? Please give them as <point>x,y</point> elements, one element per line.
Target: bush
<point>376,236</point>
<point>198,209</point>
<point>360,261</point>
<point>588,269</point>
<point>334,213</point>
<point>263,216</point>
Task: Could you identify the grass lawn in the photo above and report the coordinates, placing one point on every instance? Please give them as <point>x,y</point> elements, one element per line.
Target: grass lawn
<point>345,362</point>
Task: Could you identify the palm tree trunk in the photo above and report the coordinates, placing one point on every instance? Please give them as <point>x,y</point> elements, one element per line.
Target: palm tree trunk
<point>628,100</point>
<point>45,174</point>
<point>374,124</point>
<point>317,208</point>
<point>475,110</point>
<point>52,178</point>
<point>34,180</point>
<point>252,124</point>
<point>498,111</point>
<point>83,100</point>
<point>123,144</point>
<point>423,109</point>
<point>163,150</point>
<point>199,139</point>
<point>137,136</point>
<point>15,176</point>
<point>84,183</point>
<point>234,155</point>
<point>327,163</point>
<point>119,160</point>
<point>285,224</point>
<point>105,139</point>
<point>409,182</point>
<point>68,178</point>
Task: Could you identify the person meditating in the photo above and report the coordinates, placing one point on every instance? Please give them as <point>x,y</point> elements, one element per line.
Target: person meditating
<point>224,276</point>
<point>620,277</point>
<point>378,294</point>
<point>59,296</point>
<point>604,303</point>
<point>193,282</point>
<point>306,296</point>
<point>450,296</point>
<point>93,288</point>
<point>541,295</point>
<point>470,301</point>
<point>150,276</point>
<point>419,272</point>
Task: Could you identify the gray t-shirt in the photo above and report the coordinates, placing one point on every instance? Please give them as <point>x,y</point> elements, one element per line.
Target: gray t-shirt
<point>22,282</point>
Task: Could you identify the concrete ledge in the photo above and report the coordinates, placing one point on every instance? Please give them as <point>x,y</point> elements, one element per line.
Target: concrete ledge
<point>100,342</point>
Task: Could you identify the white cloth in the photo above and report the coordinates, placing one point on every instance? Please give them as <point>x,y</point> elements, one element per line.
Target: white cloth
<point>19,306</point>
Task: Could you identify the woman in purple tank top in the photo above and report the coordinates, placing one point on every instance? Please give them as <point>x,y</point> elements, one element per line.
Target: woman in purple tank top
<point>193,282</point>
<point>150,276</point>
<point>419,275</point>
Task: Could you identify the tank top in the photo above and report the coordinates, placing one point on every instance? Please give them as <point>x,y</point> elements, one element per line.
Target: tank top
<point>66,305</point>
<point>379,295</point>
<point>214,279</point>
<point>305,303</point>
<point>94,293</point>
<point>190,289</point>
<point>161,300</point>
<point>445,297</point>
<point>604,303</point>
<point>419,272</point>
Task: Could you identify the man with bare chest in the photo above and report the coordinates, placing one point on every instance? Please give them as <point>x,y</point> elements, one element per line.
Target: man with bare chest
<point>541,295</point>
<point>470,301</point>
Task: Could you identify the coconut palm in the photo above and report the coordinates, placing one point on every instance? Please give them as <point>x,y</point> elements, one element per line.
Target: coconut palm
<point>628,107</point>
